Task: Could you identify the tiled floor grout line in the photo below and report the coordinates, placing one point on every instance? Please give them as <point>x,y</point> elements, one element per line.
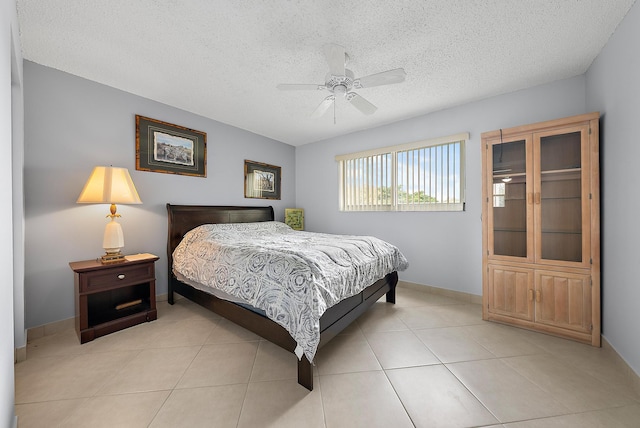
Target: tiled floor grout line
<point>389,380</point>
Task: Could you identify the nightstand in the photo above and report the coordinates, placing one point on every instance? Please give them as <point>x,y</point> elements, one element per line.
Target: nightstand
<point>111,297</point>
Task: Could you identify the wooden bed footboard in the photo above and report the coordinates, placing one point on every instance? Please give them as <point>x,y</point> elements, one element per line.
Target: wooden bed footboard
<point>183,218</point>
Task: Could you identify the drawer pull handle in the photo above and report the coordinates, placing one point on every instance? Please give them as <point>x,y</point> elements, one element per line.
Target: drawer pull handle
<point>121,276</point>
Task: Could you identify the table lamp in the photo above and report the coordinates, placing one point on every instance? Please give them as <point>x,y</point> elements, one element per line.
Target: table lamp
<point>110,185</point>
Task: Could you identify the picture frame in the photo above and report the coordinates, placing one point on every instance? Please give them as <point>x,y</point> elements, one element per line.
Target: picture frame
<point>294,217</point>
<point>261,180</point>
<point>170,149</point>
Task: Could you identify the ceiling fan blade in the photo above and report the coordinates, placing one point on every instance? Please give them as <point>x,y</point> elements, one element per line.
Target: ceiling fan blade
<point>335,55</point>
<point>299,87</point>
<point>378,79</point>
<point>323,107</point>
<point>360,103</point>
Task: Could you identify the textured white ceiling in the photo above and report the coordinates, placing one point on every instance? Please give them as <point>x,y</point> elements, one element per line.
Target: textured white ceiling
<point>222,59</point>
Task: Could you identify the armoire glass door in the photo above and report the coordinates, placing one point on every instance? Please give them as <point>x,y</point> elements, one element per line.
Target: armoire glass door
<point>509,192</point>
<point>560,197</point>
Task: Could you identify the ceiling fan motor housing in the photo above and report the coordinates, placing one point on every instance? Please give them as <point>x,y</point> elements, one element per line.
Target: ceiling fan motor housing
<point>340,84</point>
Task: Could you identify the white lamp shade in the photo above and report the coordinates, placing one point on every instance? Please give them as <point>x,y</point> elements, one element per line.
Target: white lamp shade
<point>109,185</point>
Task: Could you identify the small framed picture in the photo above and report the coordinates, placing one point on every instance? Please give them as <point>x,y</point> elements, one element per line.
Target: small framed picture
<point>294,217</point>
<point>261,180</point>
<point>170,149</point>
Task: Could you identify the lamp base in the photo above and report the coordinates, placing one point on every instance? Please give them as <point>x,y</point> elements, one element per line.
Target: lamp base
<point>112,258</point>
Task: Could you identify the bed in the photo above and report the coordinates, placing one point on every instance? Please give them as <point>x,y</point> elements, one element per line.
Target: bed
<point>184,218</point>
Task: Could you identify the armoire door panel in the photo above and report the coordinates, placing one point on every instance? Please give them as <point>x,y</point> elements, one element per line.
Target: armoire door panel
<point>510,291</point>
<point>564,300</point>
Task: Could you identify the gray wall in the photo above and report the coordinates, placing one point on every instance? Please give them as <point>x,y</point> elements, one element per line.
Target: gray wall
<point>10,98</point>
<point>613,88</point>
<point>72,125</point>
<point>444,249</point>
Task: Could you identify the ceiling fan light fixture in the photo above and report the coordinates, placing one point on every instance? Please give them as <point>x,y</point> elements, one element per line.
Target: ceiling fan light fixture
<point>340,89</point>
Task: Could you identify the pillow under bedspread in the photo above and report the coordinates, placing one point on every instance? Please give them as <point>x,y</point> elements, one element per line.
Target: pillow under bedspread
<point>293,276</point>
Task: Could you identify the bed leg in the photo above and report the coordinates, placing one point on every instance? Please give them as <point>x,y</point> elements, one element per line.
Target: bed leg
<point>392,278</point>
<point>170,292</point>
<point>305,373</point>
<point>391,295</point>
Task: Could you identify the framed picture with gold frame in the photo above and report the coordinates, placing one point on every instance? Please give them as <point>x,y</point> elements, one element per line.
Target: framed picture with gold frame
<point>261,180</point>
<point>170,149</point>
<point>294,217</point>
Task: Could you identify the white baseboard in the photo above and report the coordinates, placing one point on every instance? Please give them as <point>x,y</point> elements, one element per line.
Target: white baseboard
<point>458,295</point>
<point>19,354</point>
<point>165,297</point>
<point>631,375</point>
<point>51,328</point>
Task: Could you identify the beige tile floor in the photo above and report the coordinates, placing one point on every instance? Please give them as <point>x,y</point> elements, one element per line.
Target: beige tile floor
<point>428,361</point>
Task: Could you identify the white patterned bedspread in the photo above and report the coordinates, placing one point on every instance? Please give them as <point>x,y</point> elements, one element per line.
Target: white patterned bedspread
<point>293,276</point>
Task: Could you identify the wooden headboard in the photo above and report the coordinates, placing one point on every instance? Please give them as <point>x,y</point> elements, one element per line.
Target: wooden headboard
<point>183,218</point>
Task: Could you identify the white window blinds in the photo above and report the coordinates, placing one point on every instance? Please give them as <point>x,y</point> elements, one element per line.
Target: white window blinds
<point>420,176</point>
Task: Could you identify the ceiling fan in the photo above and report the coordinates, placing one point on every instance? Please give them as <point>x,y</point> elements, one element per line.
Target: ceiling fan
<point>340,81</point>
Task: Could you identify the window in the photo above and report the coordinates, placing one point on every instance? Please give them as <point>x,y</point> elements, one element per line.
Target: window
<point>421,176</point>
<point>499,193</point>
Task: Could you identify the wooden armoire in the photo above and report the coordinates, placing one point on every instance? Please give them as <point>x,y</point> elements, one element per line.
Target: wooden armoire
<point>541,227</point>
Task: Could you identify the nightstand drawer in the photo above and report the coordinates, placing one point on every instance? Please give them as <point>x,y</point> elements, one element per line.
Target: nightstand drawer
<point>116,277</point>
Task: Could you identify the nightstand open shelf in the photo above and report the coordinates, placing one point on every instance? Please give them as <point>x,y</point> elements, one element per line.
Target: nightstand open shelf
<point>111,297</point>
<point>102,307</point>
